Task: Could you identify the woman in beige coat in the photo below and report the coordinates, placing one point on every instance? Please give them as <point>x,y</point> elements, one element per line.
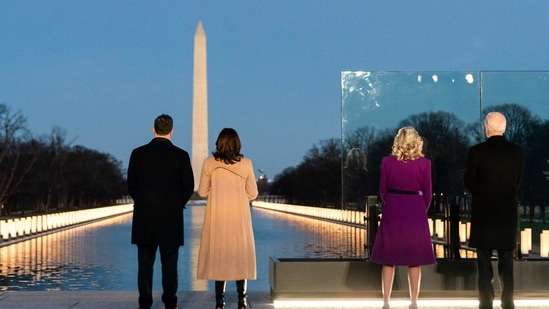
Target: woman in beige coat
<point>227,248</point>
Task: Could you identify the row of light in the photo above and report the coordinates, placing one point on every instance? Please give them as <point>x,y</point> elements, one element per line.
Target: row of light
<point>427,303</point>
<point>11,229</point>
<point>437,230</point>
<point>436,226</point>
<point>341,215</point>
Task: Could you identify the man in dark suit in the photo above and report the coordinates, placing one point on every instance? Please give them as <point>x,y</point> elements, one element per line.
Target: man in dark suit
<point>492,176</point>
<point>160,181</point>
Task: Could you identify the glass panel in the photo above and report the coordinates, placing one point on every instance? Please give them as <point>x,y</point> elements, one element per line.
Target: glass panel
<point>376,104</point>
<point>447,109</point>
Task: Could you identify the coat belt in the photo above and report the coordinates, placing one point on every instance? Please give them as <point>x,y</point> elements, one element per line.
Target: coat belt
<point>407,192</point>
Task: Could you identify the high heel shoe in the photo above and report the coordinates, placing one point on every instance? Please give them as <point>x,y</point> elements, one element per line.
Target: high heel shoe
<point>243,304</point>
<point>413,306</point>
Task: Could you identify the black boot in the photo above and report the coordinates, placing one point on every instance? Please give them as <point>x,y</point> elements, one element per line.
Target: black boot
<point>242,297</point>
<point>219,294</point>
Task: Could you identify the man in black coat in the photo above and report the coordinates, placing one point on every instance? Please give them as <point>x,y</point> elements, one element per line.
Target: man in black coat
<point>160,181</point>
<point>492,176</point>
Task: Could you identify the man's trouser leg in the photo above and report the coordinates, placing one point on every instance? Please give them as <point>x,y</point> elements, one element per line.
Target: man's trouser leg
<point>505,271</point>
<point>169,257</point>
<point>485,278</point>
<point>145,260</point>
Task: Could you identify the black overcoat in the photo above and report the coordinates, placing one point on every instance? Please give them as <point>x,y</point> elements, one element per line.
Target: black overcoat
<point>160,181</point>
<point>493,175</point>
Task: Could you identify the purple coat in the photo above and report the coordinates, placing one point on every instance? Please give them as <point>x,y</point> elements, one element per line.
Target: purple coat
<point>403,237</point>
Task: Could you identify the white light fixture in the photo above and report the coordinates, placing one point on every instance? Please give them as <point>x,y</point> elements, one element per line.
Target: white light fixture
<point>428,303</point>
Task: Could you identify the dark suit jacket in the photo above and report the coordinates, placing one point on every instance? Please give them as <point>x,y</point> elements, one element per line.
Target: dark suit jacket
<point>160,181</point>
<point>493,175</point>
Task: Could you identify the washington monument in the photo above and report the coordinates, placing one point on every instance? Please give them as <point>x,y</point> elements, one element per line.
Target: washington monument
<point>200,104</point>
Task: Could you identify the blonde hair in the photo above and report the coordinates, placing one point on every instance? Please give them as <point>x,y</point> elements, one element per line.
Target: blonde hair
<point>408,145</point>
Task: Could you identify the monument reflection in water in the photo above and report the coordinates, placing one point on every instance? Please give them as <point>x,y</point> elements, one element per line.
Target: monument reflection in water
<point>99,256</point>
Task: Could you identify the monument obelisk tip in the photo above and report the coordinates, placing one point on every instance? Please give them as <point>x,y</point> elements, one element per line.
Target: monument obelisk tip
<point>200,28</point>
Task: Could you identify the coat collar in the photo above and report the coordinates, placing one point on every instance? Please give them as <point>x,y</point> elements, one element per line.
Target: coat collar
<point>160,140</point>
<point>497,138</point>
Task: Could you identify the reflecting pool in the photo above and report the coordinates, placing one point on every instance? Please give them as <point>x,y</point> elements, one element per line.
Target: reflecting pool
<point>99,256</point>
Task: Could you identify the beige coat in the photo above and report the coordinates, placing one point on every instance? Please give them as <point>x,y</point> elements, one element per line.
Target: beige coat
<point>227,247</point>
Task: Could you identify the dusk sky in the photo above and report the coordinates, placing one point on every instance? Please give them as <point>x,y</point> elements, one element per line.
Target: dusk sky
<point>103,70</point>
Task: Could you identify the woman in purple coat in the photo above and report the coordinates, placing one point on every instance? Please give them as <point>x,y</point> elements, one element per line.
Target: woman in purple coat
<point>403,237</point>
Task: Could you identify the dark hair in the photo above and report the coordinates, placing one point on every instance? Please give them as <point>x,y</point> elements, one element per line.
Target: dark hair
<point>227,147</point>
<point>163,124</point>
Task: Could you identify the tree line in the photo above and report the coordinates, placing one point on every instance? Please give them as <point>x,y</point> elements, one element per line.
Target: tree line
<point>45,173</point>
<point>341,173</point>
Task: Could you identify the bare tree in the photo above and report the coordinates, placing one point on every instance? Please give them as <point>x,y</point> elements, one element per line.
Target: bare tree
<point>520,121</point>
<point>446,145</point>
<point>361,138</point>
<point>13,167</point>
<point>47,184</point>
<point>317,180</point>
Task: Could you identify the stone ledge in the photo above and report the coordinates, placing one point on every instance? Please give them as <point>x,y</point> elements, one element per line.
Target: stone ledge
<point>292,278</point>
